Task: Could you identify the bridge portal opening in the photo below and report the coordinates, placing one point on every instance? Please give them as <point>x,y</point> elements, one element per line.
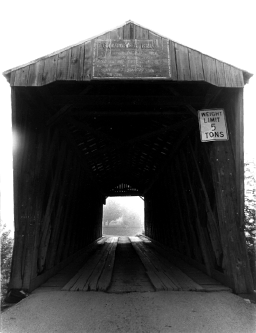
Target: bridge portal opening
<point>123,216</point>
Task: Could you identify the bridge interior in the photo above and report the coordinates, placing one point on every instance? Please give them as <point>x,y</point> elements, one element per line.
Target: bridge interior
<point>80,142</point>
<point>125,131</point>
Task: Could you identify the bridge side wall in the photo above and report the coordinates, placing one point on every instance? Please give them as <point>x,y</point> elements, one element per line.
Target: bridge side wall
<point>196,207</point>
<point>57,210</point>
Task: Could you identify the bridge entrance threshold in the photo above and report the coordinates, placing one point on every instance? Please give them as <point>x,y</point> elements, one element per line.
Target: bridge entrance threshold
<point>130,264</point>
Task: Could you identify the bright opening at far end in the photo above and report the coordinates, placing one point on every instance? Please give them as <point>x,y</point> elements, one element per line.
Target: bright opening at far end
<point>123,216</point>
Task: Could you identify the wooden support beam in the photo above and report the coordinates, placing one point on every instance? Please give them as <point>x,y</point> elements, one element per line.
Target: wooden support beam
<point>235,258</point>
<point>181,222</point>
<point>173,220</point>
<point>200,232</point>
<point>57,223</point>
<point>98,112</point>
<point>133,100</point>
<point>190,223</point>
<point>46,228</point>
<point>211,219</point>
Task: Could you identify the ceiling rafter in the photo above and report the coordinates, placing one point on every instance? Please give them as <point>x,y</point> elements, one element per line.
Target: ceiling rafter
<point>84,126</point>
<point>118,146</point>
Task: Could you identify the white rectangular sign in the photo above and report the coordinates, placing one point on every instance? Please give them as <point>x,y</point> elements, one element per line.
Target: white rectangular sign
<point>212,125</point>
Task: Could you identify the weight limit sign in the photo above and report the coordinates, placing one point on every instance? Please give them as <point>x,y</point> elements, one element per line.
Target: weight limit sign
<point>213,125</point>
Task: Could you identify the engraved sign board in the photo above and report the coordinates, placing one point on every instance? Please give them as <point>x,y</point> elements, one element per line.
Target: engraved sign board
<point>213,125</point>
<point>131,59</point>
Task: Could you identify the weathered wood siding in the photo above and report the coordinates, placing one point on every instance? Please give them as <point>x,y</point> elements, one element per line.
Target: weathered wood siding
<point>75,63</point>
<point>196,207</point>
<point>57,210</point>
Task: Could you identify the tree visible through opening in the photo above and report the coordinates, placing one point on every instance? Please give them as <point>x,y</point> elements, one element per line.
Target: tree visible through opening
<point>123,216</point>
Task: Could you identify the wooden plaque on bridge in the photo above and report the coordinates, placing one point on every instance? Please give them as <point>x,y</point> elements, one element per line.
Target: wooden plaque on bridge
<point>131,59</point>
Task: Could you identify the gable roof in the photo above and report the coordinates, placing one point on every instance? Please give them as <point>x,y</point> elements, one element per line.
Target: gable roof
<point>75,63</point>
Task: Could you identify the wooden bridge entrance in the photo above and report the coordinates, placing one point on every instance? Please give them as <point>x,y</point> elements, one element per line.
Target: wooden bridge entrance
<point>118,115</point>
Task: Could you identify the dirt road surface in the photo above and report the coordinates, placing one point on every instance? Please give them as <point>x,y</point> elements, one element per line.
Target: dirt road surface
<point>48,311</point>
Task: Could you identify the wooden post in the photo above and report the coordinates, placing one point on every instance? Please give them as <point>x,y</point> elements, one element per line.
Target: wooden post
<point>235,261</point>
<point>19,150</point>
<point>200,231</point>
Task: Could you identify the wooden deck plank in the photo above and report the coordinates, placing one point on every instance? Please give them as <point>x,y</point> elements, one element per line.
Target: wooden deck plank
<point>106,276</point>
<point>202,279</point>
<point>89,268</point>
<point>78,275</point>
<point>178,278</point>
<point>169,283</point>
<point>92,282</point>
<point>150,270</point>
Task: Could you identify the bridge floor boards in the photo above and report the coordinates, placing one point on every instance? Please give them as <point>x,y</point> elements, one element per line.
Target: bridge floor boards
<point>89,277</point>
<point>133,264</point>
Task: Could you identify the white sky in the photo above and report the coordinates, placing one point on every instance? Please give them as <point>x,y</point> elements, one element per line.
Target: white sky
<point>31,29</point>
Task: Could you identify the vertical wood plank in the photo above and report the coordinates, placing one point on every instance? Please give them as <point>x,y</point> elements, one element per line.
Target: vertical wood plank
<point>56,225</point>
<point>74,63</point>
<point>46,228</point>
<point>220,73</point>
<point>141,33</point>
<point>152,35</point>
<point>200,231</point>
<point>16,276</point>
<point>235,259</point>
<point>239,152</point>
<point>228,77</point>
<point>87,71</point>
<point>236,77</point>
<point>173,63</point>
<point>12,78</point>
<point>210,71</point>
<point>185,232</point>
<point>126,31</point>
<point>50,68</point>
<point>196,66</point>
<point>62,65</point>
<point>114,34</point>
<point>183,69</point>
<point>81,59</point>
<point>120,33</point>
<point>21,76</point>
<point>36,73</point>
<point>190,223</point>
<point>212,223</point>
<point>68,216</point>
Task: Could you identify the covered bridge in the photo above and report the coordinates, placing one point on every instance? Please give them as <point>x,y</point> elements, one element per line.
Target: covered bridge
<point>117,115</point>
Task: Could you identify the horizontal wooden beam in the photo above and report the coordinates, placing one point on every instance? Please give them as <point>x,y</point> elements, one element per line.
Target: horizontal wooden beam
<point>157,100</point>
<point>123,113</point>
